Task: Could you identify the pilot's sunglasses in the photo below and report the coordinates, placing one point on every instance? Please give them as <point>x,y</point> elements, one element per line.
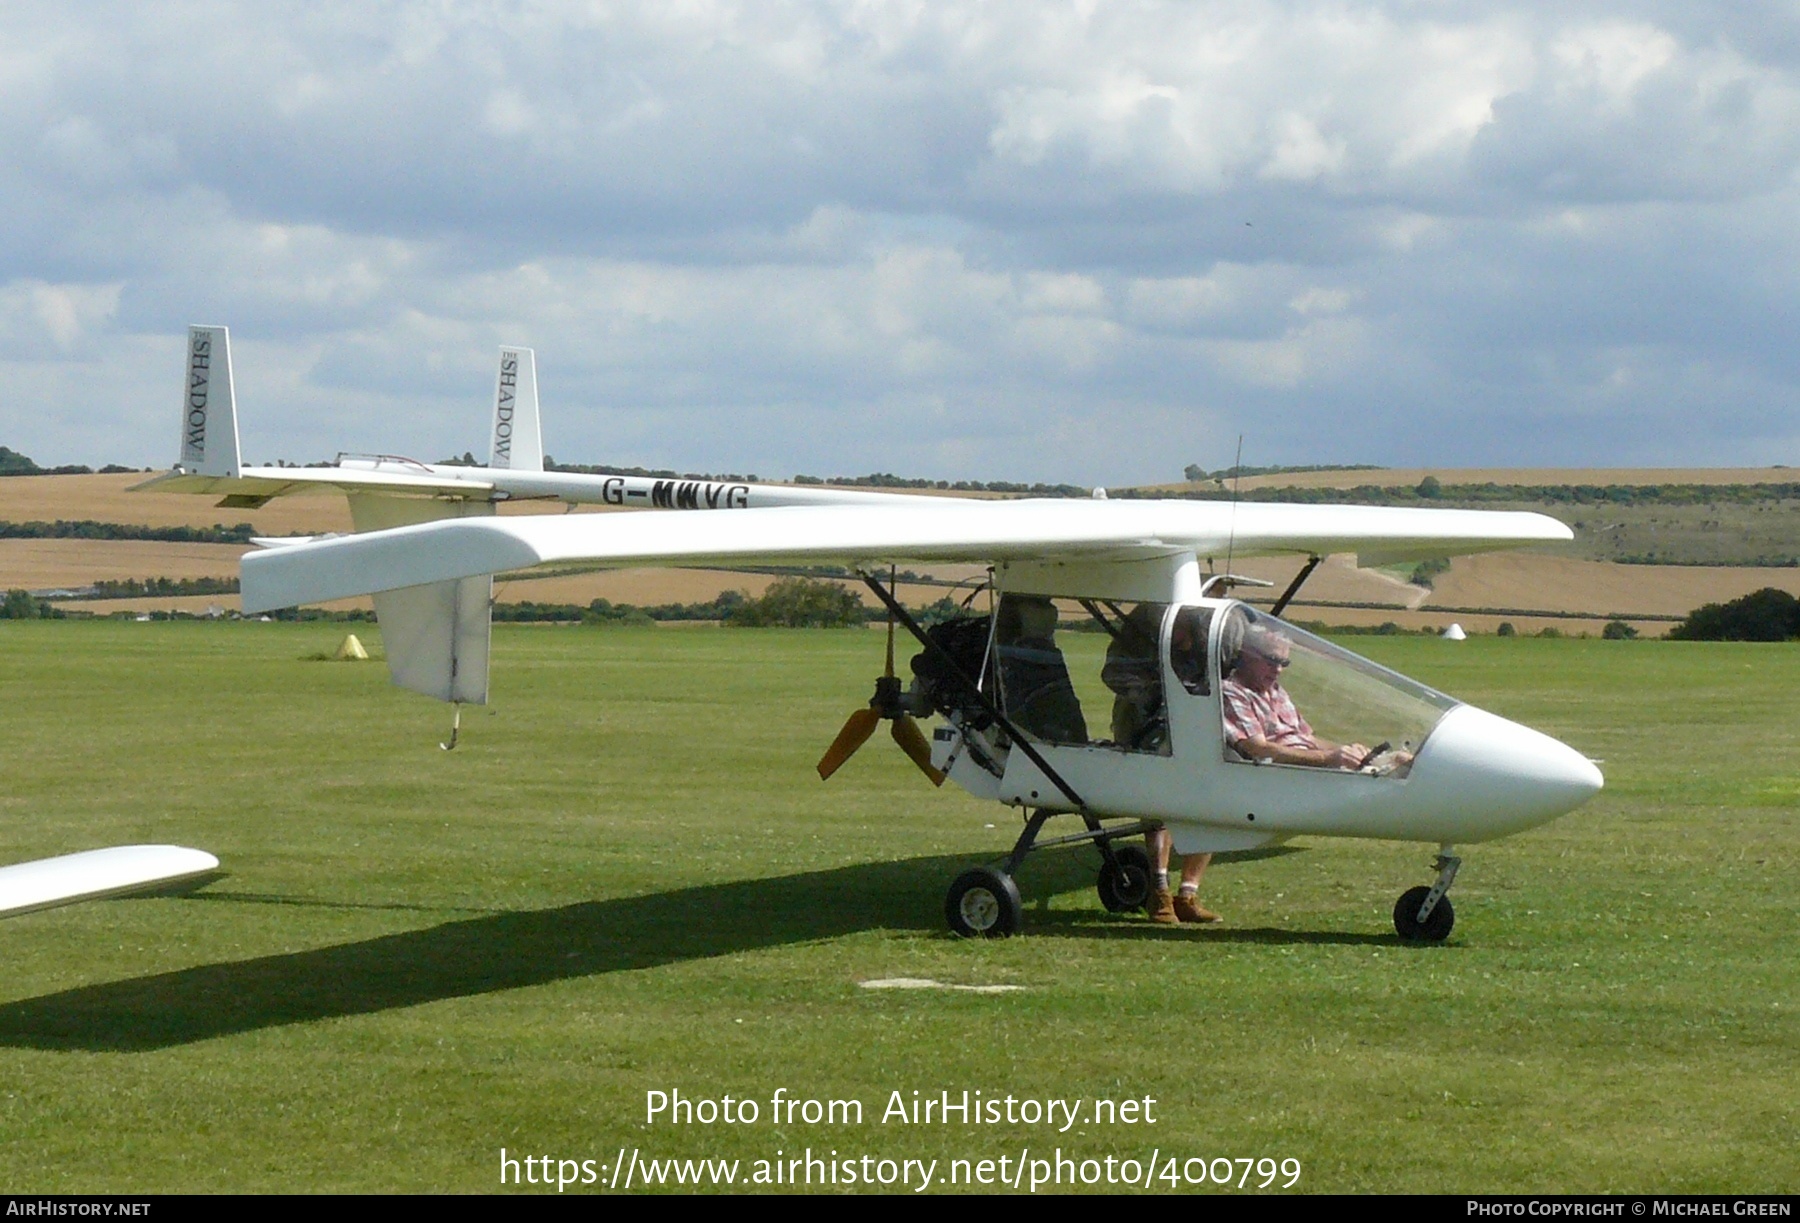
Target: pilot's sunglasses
<point>1280,664</point>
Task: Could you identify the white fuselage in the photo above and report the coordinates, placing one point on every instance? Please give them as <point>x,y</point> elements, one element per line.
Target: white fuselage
<point>1472,777</point>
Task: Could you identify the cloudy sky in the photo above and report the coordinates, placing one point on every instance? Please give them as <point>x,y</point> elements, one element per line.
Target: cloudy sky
<point>1074,241</point>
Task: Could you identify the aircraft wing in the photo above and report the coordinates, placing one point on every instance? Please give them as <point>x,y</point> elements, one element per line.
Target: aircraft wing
<point>266,483</point>
<point>98,873</point>
<point>966,531</point>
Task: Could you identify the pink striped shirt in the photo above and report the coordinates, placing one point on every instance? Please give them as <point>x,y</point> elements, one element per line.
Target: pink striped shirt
<point>1270,716</point>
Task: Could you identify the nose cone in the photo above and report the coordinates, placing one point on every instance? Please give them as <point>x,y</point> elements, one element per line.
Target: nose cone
<point>1489,777</point>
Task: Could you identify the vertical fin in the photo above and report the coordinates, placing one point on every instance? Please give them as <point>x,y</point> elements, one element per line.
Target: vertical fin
<point>209,432</point>
<point>518,445</point>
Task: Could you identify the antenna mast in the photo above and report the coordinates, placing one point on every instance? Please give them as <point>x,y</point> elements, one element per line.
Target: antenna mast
<point>1237,478</point>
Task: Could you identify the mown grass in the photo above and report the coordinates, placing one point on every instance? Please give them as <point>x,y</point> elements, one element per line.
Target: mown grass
<point>627,878</point>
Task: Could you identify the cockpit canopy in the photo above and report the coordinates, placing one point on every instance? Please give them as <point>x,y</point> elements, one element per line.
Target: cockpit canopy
<point>1343,697</point>
<point>1104,676</point>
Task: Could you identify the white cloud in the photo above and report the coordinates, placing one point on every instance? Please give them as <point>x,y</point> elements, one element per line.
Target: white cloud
<point>1302,153</point>
<point>54,318</point>
<point>1317,299</point>
<point>836,235</point>
<point>1611,60</point>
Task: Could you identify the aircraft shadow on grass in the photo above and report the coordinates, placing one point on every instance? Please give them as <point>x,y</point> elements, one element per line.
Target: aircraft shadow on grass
<point>510,950</point>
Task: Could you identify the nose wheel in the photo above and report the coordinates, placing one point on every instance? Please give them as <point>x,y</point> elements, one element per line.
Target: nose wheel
<point>1435,928</point>
<point>1424,914</point>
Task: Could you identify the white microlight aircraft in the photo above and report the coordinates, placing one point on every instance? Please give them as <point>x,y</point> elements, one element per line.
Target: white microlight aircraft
<point>1161,753</point>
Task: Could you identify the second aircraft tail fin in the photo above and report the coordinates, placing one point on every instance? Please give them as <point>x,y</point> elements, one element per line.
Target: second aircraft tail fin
<point>209,432</point>
<point>517,443</point>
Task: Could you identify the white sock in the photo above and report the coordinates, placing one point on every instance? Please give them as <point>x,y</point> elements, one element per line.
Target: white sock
<point>1190,889</point>
<point>1162,881</point>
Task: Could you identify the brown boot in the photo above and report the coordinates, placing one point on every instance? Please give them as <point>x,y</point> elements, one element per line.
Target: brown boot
<point>1187,908</point>
<point>1161,907</point>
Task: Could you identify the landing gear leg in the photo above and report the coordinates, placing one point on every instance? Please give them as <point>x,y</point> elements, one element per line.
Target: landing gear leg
<point>1424,914</point>
<point>985,902</point>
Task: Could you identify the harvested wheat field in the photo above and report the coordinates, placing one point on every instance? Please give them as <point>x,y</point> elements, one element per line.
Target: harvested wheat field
<point>1337,580</point>
<point>106,499</point>
<point>1554,583</point>
<point>54,564</point>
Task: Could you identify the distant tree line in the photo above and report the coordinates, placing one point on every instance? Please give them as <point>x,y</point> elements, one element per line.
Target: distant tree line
<point>789,603</point>
<point>801,603</point>
<point>301,614</point>
<point>23,605</point>
<point>604,611</point>
<point>1765,561</point>
<point>1430,489</point>
<point>12,463</point>
<point>138,588</point>
<point>87,528</point>
<point>794,602</point>
<point>1764,615</point>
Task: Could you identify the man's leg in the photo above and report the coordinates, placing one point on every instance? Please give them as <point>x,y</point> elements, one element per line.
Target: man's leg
<point>1187,905</point>
<point>1162,905</point>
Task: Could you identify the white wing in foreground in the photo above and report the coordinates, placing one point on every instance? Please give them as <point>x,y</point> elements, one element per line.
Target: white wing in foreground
<point>966,531</point>
<point>97,873</point>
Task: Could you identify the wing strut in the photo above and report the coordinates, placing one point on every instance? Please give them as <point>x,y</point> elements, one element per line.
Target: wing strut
<point>1294,586</point>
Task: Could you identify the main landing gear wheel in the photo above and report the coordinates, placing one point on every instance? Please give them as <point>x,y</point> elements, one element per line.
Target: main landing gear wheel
<point>984,903</point>
<point>1127,886</point>
<point>1434,929</point>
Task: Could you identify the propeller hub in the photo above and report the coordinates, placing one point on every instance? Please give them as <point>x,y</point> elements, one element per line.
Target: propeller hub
<point>889,701</point>
<point>887,705</point>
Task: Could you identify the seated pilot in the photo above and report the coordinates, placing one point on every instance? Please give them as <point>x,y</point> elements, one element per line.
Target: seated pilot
<point>1040,697</point>
<point>1261,722</point>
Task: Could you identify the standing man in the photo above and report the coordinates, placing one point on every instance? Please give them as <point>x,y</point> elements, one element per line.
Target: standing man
<point>1140,721</point>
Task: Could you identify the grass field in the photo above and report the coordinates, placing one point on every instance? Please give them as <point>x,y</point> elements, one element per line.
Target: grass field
<point>627,879</point>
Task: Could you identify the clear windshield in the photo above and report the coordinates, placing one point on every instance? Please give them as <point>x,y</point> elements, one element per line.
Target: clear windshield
<point>1304,691</point>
